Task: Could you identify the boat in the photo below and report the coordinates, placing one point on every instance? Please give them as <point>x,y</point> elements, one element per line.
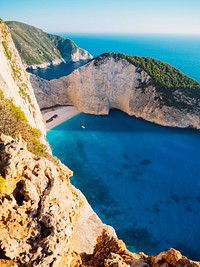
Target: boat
<point>83,126</point>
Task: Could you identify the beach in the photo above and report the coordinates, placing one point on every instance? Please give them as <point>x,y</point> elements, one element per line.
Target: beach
<point>57,115</point>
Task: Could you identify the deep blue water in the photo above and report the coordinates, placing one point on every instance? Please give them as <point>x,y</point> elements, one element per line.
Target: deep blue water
<point>141,178</point>
<point>55,72</point>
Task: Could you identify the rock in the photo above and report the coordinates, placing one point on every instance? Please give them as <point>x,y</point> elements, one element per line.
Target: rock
<point>47,64</point>
<point>81,54</point>
<point>172,258</point>
<point>43,217</point>
<point>14,81</point>
<point>117,84</point>
<point>109,251</point>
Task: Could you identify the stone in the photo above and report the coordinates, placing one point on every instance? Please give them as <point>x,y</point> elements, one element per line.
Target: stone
<point>15,82</point>
<point>43,218</point>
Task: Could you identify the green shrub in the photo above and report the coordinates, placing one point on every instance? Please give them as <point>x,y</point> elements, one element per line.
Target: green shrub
<point>23,93</point>
<point>7,51</point>
<point>13,122</point>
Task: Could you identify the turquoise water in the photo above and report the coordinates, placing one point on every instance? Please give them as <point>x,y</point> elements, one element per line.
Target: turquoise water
<point>141,178</point>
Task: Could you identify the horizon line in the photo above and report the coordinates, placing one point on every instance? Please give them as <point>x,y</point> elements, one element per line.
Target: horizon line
<point>135,33</point>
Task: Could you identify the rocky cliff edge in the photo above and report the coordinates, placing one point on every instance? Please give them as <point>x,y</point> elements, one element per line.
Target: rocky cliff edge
<point>14,81</point>
<point>43,218</point>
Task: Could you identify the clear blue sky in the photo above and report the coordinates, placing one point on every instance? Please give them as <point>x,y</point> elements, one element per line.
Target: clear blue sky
<point>117,16</point>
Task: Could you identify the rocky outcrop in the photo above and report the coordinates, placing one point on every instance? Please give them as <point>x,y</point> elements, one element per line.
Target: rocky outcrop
<point>81,54</point>
<point>46,64</point>
<point>43,218</point>
<point>111,83</point>
<point>109,251</point>
<point>69,51</point>
<point>14,81</point>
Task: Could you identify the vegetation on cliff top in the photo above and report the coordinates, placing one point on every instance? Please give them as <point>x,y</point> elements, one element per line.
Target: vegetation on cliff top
<point>14,122</point>
<point>64,45</point>
<point>162,74</point>
<point>33,45</point>
<point>37,47</point>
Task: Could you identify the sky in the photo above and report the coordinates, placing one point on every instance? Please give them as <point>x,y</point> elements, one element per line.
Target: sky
<point>106,16</point>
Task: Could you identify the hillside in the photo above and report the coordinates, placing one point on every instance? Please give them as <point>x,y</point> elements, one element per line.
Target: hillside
<point>38,48</point>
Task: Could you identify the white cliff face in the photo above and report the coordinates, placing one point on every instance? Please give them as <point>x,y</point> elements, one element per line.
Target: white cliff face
<point>14,81</point>
<point>46,64</point>
<point>81,54</point>
<point>102,85</point>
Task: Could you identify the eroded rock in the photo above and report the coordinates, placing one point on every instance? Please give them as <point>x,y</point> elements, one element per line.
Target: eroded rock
<point>41,212</point>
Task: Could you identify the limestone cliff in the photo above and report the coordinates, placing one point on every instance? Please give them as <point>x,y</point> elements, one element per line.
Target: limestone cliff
<point>14,81</point>
<point>39,49</point>
<point>43,218</point>
<point>114,82</point>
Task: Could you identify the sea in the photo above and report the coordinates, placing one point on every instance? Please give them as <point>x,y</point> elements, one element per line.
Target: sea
<point>143,179</point>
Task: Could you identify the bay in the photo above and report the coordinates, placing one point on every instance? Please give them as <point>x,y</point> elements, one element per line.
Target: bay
<point>141,178</point>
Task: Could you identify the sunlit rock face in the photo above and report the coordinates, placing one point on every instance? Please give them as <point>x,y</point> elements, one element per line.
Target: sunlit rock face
<point>14,81</point>
<point>43,218</point>
<point>112,83</point>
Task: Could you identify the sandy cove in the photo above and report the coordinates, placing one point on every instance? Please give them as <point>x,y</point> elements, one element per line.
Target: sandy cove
<point>63,113</point>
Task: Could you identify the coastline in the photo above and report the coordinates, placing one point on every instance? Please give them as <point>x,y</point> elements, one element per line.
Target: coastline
<point>63,114</point>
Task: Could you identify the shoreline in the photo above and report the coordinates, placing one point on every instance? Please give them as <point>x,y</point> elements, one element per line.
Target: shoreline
<point>61,114</point>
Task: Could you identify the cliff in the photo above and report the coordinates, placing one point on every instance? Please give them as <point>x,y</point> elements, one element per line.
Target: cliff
<point>68,49</point>
<point>14,81</point>
<point>39,49</point>
<point>141,87</point>
<point>43,217</point>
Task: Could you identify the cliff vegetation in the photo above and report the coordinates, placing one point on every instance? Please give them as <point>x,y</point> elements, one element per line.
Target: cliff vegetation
<point>163,74</point>
<point>13,122</point>
<point>33,45</point>
<point>65,46</point>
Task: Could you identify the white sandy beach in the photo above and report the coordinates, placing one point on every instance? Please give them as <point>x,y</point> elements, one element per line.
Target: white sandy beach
<point>63,114</point>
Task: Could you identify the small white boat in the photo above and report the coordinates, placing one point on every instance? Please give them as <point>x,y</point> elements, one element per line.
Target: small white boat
<point>83,126</point>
